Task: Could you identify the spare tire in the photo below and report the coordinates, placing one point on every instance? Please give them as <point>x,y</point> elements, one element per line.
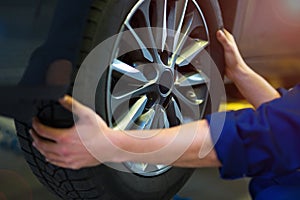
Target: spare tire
<point>196,19</point>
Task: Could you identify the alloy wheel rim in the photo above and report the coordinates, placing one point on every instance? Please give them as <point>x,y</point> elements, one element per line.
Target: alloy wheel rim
<point>155,88</point>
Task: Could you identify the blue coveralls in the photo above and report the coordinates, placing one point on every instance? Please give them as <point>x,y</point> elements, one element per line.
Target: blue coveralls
<point>263,144</point>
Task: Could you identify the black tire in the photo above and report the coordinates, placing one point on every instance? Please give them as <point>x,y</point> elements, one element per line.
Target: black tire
<point>101,182</point>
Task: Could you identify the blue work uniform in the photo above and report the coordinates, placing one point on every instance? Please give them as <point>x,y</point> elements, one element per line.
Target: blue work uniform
<point>263,144</point>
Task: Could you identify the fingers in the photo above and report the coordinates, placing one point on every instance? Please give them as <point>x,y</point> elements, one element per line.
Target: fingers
<point>48,132</point>
<point>229,35</point>
<point>63,164</point>
<point>52,152</point>
<point>43,145</point>
<point>223,38</point>
<point>228,42</point>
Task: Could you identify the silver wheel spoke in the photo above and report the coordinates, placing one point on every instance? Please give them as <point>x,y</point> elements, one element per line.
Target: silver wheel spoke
<point>188,99</point>
<point>140,42</point>
<point>190,52</point>
<point>177,111</point>
<point>135,111</point>
<point>128,71</point>
<point>145,8</point>
<point>176,19</point>
<point>185,32</point>
<point>189,108</point>
<point>191,22</point>
<point>160,166</point>
<point>184,36</point>
<point>160,119</point>
<point>192,79</point>
<point>140,167</point>
<point>145,121</point>
<point>144,167</point>
<point>117,99</point>
<point>165,119</point>
<point>161,24</point>
<point>164,36</point>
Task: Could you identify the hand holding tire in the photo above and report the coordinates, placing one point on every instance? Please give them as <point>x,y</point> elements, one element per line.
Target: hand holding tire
<point>233,58</point>
<point>64,147</point>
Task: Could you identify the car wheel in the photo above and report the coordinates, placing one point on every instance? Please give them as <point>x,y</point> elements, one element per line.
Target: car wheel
<point>165,94</point>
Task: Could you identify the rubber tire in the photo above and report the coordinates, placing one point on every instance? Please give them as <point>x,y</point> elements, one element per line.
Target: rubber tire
<point>101,182</point>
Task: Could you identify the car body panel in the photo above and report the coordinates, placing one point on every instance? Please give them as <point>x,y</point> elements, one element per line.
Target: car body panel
<point>267,33</point>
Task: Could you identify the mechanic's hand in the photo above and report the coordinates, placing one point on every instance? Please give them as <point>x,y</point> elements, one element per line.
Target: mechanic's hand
<point>233,58</point>
<point>67,147</point>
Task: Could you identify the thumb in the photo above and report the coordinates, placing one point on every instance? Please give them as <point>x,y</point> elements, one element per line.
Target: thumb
<point>73,106</point>
<point>80,110</point>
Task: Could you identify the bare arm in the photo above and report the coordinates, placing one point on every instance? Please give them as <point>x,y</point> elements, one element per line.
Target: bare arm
<point>91,143</point>
<point>188,145</point>
<point>251,85</point>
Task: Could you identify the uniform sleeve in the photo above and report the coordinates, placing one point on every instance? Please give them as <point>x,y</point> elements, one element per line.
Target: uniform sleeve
<point>263,142</point>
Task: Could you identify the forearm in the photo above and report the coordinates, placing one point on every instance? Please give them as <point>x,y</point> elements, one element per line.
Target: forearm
<point>188,145</point>
<point>91,142</point>
<point>252,86</point>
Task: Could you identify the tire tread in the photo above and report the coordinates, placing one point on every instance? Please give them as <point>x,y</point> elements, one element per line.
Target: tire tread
<point>65,183</point>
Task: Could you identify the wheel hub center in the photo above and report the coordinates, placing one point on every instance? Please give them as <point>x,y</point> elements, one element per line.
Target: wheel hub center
<point>166,83</point>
